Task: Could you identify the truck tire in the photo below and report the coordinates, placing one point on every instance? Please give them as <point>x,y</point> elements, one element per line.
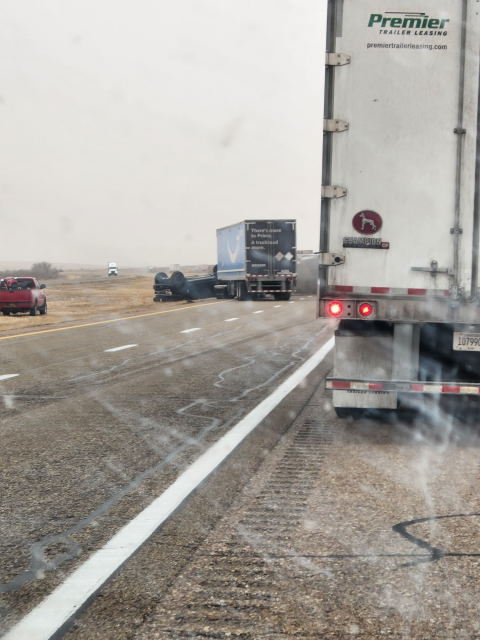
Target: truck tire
<point>178,280</point>
<point>6,313</point>
<point>161,275</point>
<point>43,309</point>
<point>242,293</point>
<point>282,296</point>
<point>354,413</point>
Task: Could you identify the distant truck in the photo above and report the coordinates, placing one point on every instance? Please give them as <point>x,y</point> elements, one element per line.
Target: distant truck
<point>400,220</point>
<point>112,269</point>
<point>21,295</point>
<point>256,257</point>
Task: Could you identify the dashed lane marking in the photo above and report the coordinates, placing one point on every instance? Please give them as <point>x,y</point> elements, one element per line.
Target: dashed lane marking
<point>230,319</point>
<point>99,322</point>
<point>275,306</point>
<point>260,311</point>
<point>6,376</point>
<point>58,609</point>
<point>125,346</point>
<point>190,330</point>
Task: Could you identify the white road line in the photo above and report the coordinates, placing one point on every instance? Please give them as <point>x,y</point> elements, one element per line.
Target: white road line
<point>125,346</point>
<point>47,618</point>
<point>261,311</point>
<point>6,376</point>
<point>190,330</point>
<point>291,301</point>
<point>230,319</point>
<point>275,306</point>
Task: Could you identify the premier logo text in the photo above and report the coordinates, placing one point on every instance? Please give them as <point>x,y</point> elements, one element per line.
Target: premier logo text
<point>407,21</point>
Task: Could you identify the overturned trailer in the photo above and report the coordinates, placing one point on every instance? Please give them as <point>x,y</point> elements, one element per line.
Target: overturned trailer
<point>178,287</point>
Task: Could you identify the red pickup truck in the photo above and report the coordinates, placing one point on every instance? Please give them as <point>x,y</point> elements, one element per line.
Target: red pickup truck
<point>22,294</point>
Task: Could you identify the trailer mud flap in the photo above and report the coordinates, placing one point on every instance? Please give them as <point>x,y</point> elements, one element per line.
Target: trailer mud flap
<point>365,399</point>
<point>364,357</point>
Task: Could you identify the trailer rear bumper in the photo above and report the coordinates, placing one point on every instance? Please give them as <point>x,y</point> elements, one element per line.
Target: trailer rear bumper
<point>402,386</point>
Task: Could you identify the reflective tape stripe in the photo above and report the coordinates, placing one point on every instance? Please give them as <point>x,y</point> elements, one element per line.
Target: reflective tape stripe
<point>432,388</point>
<point>469,390</point>
<point>450,388</point>
<point>416,387</point>
<point>337,384</point>
<point>403,387</point>
<point>416,292</point>
<point>389,291</point>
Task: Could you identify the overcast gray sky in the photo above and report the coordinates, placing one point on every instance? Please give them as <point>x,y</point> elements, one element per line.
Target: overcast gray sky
<point>131,130</point>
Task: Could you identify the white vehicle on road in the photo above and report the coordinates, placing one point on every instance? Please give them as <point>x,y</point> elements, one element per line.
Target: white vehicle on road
<point>112,269</point>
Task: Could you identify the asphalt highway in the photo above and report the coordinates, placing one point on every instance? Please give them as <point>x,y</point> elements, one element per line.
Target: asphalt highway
<point>99,418</point>
<point>315,527</point>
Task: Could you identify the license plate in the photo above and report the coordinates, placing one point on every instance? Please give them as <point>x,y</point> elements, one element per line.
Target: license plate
<point>466,341</point>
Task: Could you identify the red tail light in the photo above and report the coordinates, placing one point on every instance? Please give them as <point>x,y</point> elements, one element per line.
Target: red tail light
<point>335,309</point>
<point>365,309</point>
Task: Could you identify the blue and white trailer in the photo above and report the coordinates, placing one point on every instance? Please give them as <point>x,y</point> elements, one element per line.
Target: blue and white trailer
<point>256,258</point>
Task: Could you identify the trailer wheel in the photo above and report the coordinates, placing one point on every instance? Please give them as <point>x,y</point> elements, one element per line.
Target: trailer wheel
<point>353,413</point>
<point>282,296</point>
<point>161,275</point>
<point>242,293</point>
<point>178,280</point>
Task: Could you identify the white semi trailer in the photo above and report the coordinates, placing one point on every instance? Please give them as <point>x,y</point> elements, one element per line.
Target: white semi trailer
<point>399,248</point>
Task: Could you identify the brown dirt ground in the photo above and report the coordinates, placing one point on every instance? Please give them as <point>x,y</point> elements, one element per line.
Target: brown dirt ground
<point>74,299</point>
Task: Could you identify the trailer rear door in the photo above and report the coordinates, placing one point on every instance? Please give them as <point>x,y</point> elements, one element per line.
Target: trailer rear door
<point>270,247</point>
<point>401,126</point>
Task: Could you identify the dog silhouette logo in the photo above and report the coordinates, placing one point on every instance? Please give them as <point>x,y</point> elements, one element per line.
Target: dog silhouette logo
<point>367,222</point>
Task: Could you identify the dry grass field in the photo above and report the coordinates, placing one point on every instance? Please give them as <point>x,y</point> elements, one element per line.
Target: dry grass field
<point>83,298</point>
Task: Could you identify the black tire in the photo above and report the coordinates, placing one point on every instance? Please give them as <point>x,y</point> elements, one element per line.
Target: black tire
<point>6,313</point>
<point>34,310</point>
<point>161,275</point>
<point>353,413</point>
<point>282,296</point>
<point>242,293</point>
<point>178,280</point>
<point>43,309</point>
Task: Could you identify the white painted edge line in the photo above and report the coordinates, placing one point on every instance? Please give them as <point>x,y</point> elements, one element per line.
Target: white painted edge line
<point>260,311</point>
<point>125,346</point>
<point>55,611</point>
<point>190,330</point>
<point>230,319</point>
<point>6,376</point>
